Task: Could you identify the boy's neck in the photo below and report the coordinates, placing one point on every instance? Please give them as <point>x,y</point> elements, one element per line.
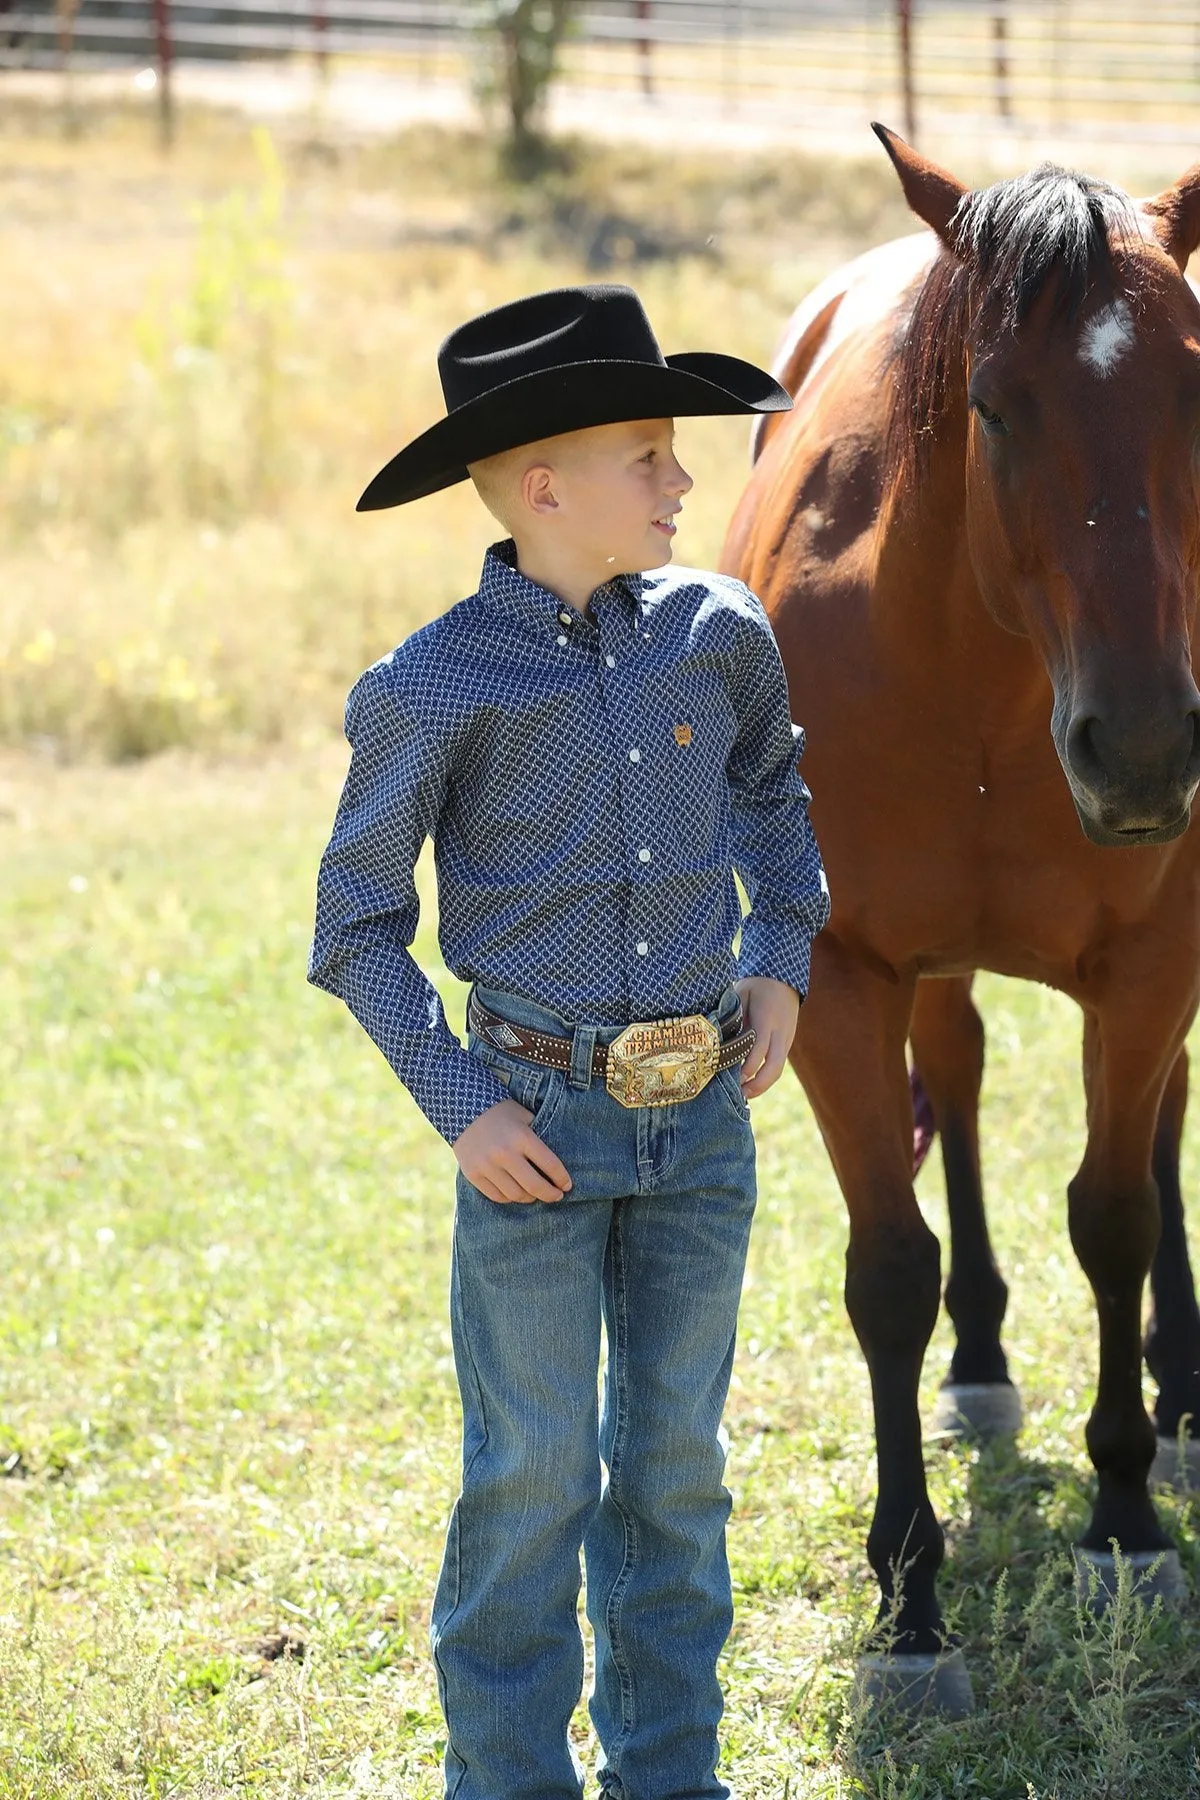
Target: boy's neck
<point>574,583</point>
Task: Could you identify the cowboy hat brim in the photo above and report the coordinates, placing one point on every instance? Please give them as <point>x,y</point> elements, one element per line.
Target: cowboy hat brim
<point>549,402</point>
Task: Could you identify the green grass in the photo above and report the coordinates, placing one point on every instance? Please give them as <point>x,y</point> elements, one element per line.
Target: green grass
<point>229,1417</point>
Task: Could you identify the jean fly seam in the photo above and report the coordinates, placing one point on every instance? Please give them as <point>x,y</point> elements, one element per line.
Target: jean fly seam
<point>617,1363</point>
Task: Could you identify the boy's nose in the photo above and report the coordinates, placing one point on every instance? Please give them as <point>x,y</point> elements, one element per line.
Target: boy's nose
<point>681,482</point>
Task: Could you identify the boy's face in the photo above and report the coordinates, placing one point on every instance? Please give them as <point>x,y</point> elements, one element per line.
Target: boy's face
<point>612,493</point>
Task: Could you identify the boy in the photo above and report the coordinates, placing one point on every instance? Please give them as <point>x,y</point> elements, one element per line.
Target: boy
<point>592,748</point>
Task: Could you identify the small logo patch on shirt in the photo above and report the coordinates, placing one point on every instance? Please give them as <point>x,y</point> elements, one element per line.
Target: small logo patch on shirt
<point>683,735</point>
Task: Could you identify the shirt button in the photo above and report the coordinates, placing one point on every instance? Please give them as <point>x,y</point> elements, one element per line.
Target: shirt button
<point>611,661</point>
<point>560,639</point>
<point>564,618</point>
<point>642,947</point>
<point>643,854</point>
<point>635,754</point>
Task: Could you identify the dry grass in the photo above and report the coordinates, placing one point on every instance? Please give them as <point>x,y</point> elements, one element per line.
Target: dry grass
<point>202,362</point>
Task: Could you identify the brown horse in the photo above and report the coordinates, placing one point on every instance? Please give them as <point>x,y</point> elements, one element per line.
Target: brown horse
<point>978,538</point>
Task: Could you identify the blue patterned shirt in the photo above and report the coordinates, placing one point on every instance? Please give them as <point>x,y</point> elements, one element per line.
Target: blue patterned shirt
<point>590,781</point>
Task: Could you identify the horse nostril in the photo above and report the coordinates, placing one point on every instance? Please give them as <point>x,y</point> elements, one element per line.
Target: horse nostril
<point>1083,757</point>
<point>1193,761</point>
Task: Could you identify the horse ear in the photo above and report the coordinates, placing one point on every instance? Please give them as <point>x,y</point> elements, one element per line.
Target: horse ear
<point>932,193</point>
<point>1176,215</point>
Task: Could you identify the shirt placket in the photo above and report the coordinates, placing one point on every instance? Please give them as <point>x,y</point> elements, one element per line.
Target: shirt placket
<point>620,646</point>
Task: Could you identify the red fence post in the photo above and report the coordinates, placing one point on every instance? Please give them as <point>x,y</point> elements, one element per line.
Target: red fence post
<point>162,40</point>
<point>320,24</point>
<point>642,8</point>
<point>904,12</point>
<point>1000,37</point>
<point>66,10</point>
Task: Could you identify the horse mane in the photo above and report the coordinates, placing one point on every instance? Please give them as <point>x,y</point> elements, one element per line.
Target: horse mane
<point>1011,241</point>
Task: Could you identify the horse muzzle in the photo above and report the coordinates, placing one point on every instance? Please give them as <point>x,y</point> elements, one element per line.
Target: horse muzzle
<point>1133,786</point>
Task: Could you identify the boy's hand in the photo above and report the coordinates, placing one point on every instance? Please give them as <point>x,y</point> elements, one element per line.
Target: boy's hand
<point>772,1007</point>
<point>501,1155</point>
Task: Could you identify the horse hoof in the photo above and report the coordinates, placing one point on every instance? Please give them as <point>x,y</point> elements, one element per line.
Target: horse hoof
<point>915,1683</point>
<point>977,1409</point>
<point>1177,1465</point>
<point>1167,1579</point>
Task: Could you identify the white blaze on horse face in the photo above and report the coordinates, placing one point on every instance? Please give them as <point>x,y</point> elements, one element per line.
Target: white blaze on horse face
<point>1107,337</point>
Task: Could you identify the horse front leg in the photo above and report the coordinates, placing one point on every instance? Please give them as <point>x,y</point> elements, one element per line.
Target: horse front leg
<point>1130,1045</point>
<point>1172,1346</point>
<point>977,1398</point>
<point>850,1055</point>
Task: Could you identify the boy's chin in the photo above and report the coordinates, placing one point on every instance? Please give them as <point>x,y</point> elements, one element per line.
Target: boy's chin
<point>652,556</point>
<point>659,555</point>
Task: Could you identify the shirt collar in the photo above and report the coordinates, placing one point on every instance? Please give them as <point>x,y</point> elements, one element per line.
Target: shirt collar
<point>504,586</point>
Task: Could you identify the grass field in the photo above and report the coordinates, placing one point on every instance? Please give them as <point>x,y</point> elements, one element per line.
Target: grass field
<point>229,1431</point>
<point>230,1423</point>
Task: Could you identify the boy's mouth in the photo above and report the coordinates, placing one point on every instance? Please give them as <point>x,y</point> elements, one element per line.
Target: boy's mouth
<point>665,523</point>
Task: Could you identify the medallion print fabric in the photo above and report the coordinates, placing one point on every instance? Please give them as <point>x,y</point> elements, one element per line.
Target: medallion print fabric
<point>590,781</point>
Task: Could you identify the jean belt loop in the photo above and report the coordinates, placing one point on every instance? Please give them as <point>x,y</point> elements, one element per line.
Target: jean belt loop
<point>583,1043</point>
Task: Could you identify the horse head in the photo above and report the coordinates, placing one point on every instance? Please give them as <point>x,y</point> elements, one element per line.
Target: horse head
<point>1054,352</point>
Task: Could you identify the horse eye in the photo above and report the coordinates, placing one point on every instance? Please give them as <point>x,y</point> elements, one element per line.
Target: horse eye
<point>991,421</point>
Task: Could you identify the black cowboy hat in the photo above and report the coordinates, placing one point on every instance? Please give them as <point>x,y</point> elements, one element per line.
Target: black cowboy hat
<point>557,362</point>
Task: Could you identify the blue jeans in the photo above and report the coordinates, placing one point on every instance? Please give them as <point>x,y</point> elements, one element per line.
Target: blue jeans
<point>652,1237</point>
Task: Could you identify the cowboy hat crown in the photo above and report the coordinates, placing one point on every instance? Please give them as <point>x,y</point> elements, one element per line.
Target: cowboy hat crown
<point>555,362</point>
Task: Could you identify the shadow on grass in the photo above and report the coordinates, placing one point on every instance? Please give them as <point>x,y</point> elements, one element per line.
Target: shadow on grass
<point>1069,1707</point>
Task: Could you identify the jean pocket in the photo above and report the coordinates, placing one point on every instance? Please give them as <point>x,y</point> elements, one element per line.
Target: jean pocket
<point>728,1082</point>
<point>537,1089</point>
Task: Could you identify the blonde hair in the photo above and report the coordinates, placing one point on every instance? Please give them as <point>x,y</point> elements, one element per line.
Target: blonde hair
<point>498,478</point>
<point>497,481</point>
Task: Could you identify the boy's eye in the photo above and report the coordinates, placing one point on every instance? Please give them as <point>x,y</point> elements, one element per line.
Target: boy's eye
<point>649,456</point>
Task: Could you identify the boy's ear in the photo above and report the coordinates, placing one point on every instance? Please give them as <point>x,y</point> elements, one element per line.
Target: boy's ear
<point>932,192</point>
<point>537,488</point>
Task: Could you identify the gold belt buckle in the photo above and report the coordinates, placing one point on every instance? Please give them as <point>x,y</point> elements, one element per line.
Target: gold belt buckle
<point>660,1061</point>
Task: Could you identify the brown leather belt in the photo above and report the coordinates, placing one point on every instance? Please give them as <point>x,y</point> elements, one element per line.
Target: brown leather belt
<point>652,1063</point>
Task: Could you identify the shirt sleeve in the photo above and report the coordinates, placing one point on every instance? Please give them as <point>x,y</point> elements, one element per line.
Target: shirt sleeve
<point>367,906</point>
<point>773,846</point>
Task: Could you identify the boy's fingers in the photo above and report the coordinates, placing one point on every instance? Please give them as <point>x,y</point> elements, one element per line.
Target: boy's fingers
<point>534,1183</point>
<point>488,1189</point>
<point>759,1051</point>
<point>506,1188</point>
<point>543,1158</point>
<point>756,1057</point>
<point>518,1176</point>
<point>528,1178</point>
<point>769,1070</point>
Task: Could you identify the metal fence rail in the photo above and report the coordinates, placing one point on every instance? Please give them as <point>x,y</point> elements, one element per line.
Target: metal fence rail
<point>1088,67</point>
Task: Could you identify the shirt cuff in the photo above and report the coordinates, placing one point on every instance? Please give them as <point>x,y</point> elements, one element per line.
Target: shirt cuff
<point>455,1092</point>
<point>777,951</point>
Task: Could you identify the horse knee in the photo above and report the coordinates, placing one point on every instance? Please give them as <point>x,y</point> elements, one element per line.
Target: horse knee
<point>893,1287</point>
<point>977,1297</point>
<point>1121,1442</point>
<point>1114,1233</point>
